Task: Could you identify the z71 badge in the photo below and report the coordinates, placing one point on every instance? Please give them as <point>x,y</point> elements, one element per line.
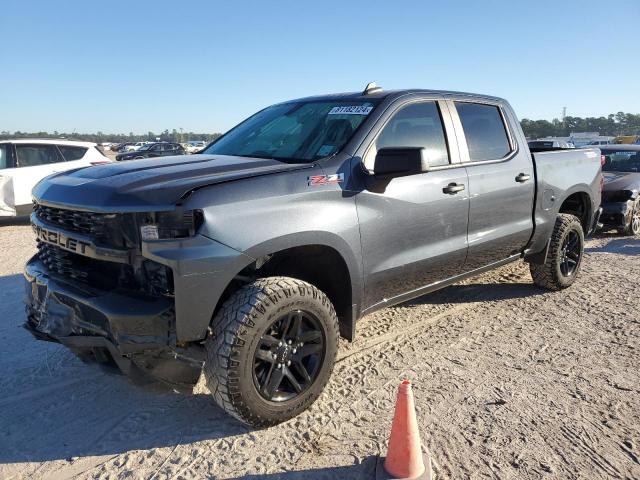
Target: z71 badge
<point>325,179</point>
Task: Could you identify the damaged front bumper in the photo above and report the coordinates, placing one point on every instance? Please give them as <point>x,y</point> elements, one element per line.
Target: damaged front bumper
<point>616,214</point>
<point>130,331</point>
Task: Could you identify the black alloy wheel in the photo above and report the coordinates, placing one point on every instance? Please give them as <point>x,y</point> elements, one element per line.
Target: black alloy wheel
<point>570,253</point>
<point>288,356</point>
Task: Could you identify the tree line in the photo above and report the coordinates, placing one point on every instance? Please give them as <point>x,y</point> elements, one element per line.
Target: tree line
<point>100,137</point>
<point>612,125</point>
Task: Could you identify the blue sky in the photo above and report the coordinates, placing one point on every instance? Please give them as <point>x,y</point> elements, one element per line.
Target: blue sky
<point>121,66</point>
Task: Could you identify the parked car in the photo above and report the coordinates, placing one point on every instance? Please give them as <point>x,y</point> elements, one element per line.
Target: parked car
<point>621,195</point>
<point>195,146</point>
<point>25,162</point>
<point>121,147</point>
<point>259,252</point>
<point>136,146</point>
<point>550,144</point>
<point>160,149</point>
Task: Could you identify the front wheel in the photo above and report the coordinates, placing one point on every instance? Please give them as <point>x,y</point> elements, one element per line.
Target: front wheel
<point>633,228</point>
<point>564,257</point>
<point>272,350</point>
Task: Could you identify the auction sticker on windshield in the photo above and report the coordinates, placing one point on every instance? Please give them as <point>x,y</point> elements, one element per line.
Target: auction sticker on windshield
<point>354,110</point>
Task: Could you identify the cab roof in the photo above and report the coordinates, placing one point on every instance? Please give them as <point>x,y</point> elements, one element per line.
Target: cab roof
<point>391,94</point>
<point>50,141</point>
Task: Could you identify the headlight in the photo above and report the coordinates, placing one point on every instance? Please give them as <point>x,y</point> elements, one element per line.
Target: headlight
<point>166,225</point>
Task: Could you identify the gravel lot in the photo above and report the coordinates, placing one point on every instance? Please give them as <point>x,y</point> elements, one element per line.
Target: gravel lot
<point>510,382</point>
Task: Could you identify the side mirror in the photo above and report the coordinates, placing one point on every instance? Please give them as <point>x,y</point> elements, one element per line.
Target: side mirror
<point>400,162</point>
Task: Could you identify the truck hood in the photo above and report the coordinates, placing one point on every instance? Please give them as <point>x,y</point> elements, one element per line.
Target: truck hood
<point>615,181</point>
<point>151,184</point>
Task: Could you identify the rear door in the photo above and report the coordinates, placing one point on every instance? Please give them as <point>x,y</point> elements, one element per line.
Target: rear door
<point>156,150</point>
<point>413,232</point>
<point>501,181</point>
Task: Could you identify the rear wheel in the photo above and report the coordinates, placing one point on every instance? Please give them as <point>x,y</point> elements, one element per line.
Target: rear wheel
<point>634,224</point>
<point>272,350</point>
<point>564,257</point>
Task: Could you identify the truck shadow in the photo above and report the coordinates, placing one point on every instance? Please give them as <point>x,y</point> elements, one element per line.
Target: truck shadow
<point>621,246</point>
<point>364,470</point>
<point>478,292</point>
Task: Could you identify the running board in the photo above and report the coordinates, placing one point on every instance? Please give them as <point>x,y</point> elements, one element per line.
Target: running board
<point>432,287</point>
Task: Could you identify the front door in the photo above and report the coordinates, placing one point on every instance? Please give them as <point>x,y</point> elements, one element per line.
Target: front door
<point>33,163</point>
<point>414,232</point>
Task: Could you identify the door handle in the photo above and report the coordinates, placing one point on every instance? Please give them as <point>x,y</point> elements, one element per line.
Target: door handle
<point>523,177</point>
<point>453,188</point>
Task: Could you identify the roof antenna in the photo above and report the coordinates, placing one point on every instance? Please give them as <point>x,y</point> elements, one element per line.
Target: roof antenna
<point>371,88</point>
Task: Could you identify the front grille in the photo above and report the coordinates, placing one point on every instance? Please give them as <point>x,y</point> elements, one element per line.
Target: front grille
<point>88,223</point>
<point>97,273</point>
<point>116,230</point>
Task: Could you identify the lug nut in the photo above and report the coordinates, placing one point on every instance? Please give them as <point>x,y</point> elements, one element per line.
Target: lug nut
<point>289,342</point>
<point>295,350</point>
<point>280,344</point>
<point>279,365</point>
<point>288,363</point>
<point>274,355</point>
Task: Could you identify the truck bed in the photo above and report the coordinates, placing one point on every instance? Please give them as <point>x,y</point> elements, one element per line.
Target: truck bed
<point>560,173</point>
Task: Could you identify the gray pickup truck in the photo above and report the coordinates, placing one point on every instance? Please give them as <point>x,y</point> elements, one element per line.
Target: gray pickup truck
<point>251,259</point>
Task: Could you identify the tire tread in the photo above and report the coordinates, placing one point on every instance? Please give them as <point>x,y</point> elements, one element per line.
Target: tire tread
<point>229,326</point>
<point>546,275</point>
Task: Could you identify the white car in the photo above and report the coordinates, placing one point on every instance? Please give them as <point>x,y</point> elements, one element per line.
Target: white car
<point>195,146</point>
<point>25,162</point>
<point>136,146</point>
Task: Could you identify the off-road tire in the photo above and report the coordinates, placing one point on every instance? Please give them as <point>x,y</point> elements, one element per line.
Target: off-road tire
<point>549,275</point>
<point>237,329</point>
<point>633,228</point>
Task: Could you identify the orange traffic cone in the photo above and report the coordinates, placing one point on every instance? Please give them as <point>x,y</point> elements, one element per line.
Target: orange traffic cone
<point>404,457</point>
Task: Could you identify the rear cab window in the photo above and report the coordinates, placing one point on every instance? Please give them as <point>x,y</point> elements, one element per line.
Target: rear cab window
<point>485,131</point>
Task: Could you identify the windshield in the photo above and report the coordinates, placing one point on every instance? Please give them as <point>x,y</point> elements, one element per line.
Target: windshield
<point>146,147</point>
<point>302,131</point>
<point>621,160</point>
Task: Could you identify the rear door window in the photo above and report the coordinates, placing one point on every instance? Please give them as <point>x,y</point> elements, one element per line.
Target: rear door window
<point>71,153</point>
<point>34,155</point>
<point>484,130</point>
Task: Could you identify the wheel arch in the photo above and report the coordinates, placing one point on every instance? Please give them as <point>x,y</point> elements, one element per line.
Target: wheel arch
<point>578,202</point>
<point>323,260</point>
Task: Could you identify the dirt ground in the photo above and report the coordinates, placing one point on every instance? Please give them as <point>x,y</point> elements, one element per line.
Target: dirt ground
<point>510,382</point>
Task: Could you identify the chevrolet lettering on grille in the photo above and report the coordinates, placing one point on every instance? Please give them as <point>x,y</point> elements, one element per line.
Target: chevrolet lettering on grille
<point>61,240</point>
